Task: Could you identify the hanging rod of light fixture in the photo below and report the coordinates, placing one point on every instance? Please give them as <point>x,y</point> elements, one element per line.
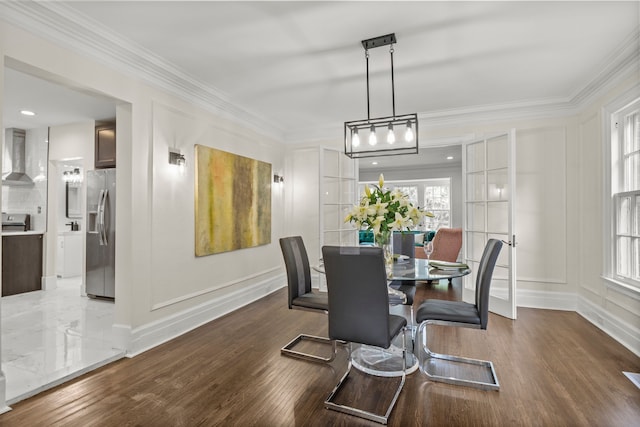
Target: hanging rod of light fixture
<point>368,129</point>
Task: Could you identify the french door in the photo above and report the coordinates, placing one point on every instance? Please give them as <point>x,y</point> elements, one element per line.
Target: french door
<point>488,167</point>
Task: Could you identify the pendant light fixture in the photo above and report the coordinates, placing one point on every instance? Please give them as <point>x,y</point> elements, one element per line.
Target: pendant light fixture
<point>407,124</point>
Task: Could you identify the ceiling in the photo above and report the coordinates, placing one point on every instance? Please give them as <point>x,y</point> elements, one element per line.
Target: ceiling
<point>53,103</point>
<point>300,66</point>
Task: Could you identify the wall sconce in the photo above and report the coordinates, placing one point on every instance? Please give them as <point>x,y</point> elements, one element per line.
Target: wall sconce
<point>177,158</point>
<point>278,179</point>
<point>73,176</point>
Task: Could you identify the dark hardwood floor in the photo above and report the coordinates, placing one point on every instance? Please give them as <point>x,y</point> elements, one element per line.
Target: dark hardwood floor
<point>554,368</point>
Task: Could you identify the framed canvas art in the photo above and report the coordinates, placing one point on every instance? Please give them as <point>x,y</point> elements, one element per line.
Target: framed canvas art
<point>232,201</point>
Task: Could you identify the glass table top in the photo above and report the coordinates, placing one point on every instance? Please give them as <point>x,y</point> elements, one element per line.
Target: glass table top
<point>419,269</point>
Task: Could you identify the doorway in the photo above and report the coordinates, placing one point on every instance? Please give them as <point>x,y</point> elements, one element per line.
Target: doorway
<point>52,335</point>
<point>432,164</point>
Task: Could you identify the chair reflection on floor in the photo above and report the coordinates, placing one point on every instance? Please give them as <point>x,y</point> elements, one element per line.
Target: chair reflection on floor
<point>302,297</point>
<point>460,314</point>
<point>359,312</point>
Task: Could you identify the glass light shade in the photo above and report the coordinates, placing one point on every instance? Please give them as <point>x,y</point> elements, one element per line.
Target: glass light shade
<point>391,137</point>
<point>373,139</point>
<point>355,139</point>
<point>408,135</point>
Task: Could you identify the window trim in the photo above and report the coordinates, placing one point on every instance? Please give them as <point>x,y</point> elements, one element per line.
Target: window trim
<point>609,206</point>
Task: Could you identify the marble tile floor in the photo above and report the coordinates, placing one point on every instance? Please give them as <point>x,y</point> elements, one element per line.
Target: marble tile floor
<point>49,337</point>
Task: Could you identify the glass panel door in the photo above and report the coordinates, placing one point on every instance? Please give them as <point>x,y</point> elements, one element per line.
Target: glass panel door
<point>489,180</point>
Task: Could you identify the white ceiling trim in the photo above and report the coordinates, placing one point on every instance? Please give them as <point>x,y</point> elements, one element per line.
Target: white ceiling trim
<point>64,25</point>
<point>619,65</point>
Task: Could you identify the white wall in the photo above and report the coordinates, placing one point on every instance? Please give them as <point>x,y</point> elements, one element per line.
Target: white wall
<point>302,183</point>
<point>613,308</point>
<point>30,199</point>
<point>162,289</point>
<point>72,141</point>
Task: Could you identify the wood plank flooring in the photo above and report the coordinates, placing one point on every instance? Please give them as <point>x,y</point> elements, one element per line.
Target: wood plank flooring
<point>554,368</point>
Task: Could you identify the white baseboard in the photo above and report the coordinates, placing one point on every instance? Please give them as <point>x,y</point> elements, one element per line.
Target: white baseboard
<point>49,282</point>
<point>626,334</point>
<point>3,396</point>
<point>138,340</point>
<point>547,300</point>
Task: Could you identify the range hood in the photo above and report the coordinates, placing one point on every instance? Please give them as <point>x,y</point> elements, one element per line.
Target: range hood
<point>17,175</point>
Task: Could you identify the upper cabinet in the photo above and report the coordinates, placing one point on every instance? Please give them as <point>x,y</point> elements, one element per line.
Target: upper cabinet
<point>105,148</point>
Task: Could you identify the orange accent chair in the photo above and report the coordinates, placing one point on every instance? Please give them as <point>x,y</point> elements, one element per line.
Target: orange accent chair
<point>446,245</point>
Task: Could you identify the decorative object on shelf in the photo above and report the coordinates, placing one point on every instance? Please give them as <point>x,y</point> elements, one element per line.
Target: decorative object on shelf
<point>355,131</point>
<point>384,211</point>
<point>233,201</point>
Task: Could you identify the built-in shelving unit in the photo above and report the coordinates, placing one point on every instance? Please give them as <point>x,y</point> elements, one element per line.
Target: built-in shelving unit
<point>338,187</point>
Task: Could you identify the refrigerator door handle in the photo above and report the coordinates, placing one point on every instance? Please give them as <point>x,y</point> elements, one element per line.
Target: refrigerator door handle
<point>100,225</point>
<point>104,224</point>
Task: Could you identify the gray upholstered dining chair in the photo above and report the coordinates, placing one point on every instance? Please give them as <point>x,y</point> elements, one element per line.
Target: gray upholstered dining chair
<point>461,314</point>
<point>400,247</point>
<point>302,297</point>
<point>359,311</point>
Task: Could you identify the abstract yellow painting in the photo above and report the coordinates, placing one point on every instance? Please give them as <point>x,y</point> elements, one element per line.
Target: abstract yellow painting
<point>233,202</point>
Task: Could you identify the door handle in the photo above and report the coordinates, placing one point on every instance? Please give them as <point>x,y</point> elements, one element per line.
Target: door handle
<point>100,224</point>
<point>511,242</point>
<point>102,214</point>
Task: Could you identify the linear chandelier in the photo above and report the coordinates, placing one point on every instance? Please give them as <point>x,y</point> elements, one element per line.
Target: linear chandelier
<point>381,136</point>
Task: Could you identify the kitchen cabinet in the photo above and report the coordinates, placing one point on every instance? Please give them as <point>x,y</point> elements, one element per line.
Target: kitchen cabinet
<point>105,146</point>
<point>21,263</point>
<point>69,254</point>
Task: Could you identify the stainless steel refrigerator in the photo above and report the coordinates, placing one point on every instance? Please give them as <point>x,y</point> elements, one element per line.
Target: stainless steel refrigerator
<point>101,233</point>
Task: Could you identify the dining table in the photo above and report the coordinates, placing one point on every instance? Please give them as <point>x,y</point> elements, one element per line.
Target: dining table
<point>388,362</point>
<point>424,270</point>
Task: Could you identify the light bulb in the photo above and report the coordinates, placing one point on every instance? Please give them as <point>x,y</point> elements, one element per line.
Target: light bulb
<point>373,139</point>
<point>355,139</point>
<point>408,135</point>
<point>391,137</point>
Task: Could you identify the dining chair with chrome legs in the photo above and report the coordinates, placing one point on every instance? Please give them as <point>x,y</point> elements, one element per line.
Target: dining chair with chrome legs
<point>359,312</point>
<point>302,297</point>
<point>460,314</point>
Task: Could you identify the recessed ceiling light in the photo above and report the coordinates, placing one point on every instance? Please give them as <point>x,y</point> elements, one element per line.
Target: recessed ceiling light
<point>374,163</point>
<point>27,113</point>
<point>449,157</point>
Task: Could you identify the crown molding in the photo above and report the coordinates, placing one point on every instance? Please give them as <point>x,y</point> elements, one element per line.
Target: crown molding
<point>620,65</point>
<point>61,24</point>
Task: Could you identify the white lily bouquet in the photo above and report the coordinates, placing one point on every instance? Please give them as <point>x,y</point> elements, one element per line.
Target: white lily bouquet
<point>383,211</point>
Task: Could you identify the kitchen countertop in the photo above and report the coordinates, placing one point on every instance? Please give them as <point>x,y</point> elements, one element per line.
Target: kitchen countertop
<point>70,233</point>
<point>21,233</point>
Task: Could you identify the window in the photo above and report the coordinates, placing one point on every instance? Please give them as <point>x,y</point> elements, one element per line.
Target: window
<point>433,195</point>
<point>625,189</point>
<point>411,191</point>
<point>438,201</point>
